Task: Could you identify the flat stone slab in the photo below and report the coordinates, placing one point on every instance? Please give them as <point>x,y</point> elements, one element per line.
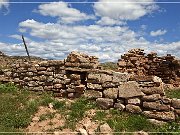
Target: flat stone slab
<point>167,116</point>
<point>105,103</point>
<point>129,89</point>
<point>156,106</point>
<point>153,90</point>
<point>176,103</point>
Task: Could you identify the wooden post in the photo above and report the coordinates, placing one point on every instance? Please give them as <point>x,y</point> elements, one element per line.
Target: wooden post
<point>26,48</point>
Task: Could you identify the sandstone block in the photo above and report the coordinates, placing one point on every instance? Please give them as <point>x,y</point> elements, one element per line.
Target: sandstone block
<point>95,77</point>
<point>75,77</point>
<point>167,116</point>
<point>92,94</point>
<point>120,77</point>
<point>153,90</point>
<point>129,89</point>
<point>94,86</point>
<point>176,103</point>
<point>80,88</point>
<point>57,86</point>
<point>156,106</point>
<point>105,129</point>
<point>157,122</point>
<point>133,108</point>
<point>110,85</point>
<point>119,106</point>
<point>106,78</point>
<point>134,101</point>
<point>177,111</point>
<point>111,93</point>
<point>153,97</point>
<point>104,103</point>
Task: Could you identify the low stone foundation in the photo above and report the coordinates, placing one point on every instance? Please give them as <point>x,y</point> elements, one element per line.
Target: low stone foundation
<point>79,75</point>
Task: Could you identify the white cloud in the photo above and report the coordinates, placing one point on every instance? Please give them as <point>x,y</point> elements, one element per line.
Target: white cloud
<point>106,42</point>
<point>4,4</point>
<point>158,32</point>
<point>109,21</point>
<point>124,11</point>
<point>63,11</point>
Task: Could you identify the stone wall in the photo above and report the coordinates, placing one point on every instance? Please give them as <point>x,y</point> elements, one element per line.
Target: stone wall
<point>79,75</point>
<point>135,62</point>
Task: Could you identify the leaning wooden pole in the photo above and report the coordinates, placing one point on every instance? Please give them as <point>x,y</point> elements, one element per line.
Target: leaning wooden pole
<point>26,48</point>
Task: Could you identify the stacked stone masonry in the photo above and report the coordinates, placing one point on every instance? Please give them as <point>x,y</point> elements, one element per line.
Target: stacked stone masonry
<point>136,63</point>
<point>79,75</point>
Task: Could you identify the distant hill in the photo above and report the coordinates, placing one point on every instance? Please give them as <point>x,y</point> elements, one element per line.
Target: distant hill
<point>109,66</point>
<point>6,61</point>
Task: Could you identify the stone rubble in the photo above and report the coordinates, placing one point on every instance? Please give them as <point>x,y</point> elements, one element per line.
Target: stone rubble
<point>79,75</point>
<point>135,62</point>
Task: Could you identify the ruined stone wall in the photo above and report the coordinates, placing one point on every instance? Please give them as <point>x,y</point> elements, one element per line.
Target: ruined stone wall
<point>137,63</point>
<point>78,75</point>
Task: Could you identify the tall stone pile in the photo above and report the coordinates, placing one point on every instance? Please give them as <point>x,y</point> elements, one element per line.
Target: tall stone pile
<point>137,64</point>
<point>81,60</point>
<point>133,62</point>
<point>77,65</point>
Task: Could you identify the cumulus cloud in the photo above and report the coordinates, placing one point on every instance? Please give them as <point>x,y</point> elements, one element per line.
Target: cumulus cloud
<point>158,32</point>
<point>106,42</point>
<point>131,10</point>
<point>63,11</point>
<point>109,21</point>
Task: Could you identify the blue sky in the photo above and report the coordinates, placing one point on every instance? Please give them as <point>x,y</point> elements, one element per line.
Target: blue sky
<point>104,29</point>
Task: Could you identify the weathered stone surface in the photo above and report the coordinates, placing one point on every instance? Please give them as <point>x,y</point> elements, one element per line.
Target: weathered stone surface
<point>157,122</point>
<point>93,76</point>
<point>134,101</point>
<point>111,93</point>
<point>71,95</point>
<point>153,97</point>
<point>122,101</point>
<point>92,94</point>
<point>166,100</point>
<point>42,78</point>
<point>119,106</point>
<point>120,77</point>
<point>80,88</point>
<point>129,89</point>
<point>167,116</point>
<point>82,131</point>
<point>177,111</point>
<point>105,78</point>
<point>105,129</point>
<point>133,108</point>
<point>32,83</point>
<point>58,86</point>
<point>38,88</point>
<point>153,90</point>
<point>110,84</point>
<point>156,106</point>
<point>105,103</point>
<point>176,103</point>
<point>75,77</point>
<point>94,86</point>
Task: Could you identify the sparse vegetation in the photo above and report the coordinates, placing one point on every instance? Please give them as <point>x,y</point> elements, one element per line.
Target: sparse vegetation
<point>110,66</point>
<point>173,93</point>
<point>78,109</point>
<point>18,106</point>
